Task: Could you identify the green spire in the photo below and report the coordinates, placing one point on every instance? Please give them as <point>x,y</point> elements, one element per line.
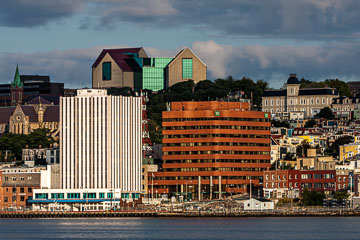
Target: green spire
<point>17,82</point>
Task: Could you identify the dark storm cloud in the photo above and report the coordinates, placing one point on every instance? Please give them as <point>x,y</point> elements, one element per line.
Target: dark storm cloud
<point>271,63</point>
<point>274,63</point>
<point>303,19</point>
<point>32,13</point>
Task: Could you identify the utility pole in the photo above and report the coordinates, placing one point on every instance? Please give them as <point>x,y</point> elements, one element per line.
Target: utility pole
<point>152,189</point>
<point>250,189</point>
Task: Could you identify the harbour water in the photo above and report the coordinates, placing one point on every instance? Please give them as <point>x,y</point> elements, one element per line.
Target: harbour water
<point>183,228</point>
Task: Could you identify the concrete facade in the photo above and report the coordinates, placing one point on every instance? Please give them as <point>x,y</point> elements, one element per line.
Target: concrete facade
<point>101,141</point>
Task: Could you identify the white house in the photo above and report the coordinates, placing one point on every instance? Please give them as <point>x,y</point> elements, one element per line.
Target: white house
<point>258,204</point>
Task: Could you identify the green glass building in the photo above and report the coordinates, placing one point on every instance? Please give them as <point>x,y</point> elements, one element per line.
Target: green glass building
<point>153,73</point>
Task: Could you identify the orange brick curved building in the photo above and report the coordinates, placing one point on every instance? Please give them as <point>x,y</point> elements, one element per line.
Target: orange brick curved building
<point>212,149</point>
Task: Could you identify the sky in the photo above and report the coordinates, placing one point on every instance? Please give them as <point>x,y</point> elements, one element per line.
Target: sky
<point>260,39</point>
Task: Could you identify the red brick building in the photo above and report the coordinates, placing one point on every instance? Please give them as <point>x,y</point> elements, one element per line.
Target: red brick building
<point>212,149</point>
<point>17,185</point>
<point>291,183</point>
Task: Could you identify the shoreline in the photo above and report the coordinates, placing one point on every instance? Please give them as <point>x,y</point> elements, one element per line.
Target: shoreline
<point>340,213</point>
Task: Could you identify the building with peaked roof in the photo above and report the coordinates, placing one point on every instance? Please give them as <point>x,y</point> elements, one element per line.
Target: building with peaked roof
<point>185,66</point>
<point>293,98</point>
<point>131,67</point>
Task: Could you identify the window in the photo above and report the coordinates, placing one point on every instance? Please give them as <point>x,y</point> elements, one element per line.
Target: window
<point>5,179</point>
<point>73,195</point>
<point>14,190</point>
<point>29,178</point>
<point>22,179</point>
<point>41,196</point>
<point>125,195</point>
<point>266,103</point>
<point>14,178</point>
<point>29,190</point>
<point>106,71</point>
<point>101,195</point>
<point>22,190</point>
<point>110,195</point>
<point>187,68</point>
<point>5,199</point>
<point>89,195</point>
<point>57,195</point>
<point>339,179</point>
<point>290,184</point>
<point>22,199</point>
<point>344,179</point>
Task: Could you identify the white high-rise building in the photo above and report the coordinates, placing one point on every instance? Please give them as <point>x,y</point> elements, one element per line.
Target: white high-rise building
<point>100,153</point>
<point>101,141</point>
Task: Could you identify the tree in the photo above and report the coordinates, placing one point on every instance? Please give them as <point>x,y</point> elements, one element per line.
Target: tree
<point>312,198</point>
<point>290,156</point>
<point>341,86</point>
<point>277,123</point>
<point>16,142</point>
<point>325,113</point>
<point>301,149</point>
<point>310,123</point>
<point>334,148</point>
<point>341,195</point>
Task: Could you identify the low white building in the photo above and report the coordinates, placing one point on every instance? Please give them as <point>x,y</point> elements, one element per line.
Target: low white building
<point>258,204</point>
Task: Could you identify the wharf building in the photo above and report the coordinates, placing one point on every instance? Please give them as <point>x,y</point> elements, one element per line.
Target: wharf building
<point>17,185</point>
<point>292,98</point>
<point>100,152</point>
<point>133,68</point>
<point>212,150</point>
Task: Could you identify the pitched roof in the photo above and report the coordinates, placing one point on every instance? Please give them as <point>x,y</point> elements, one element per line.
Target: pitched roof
<point>39,100</point>
<point>119,56</point>
<point>302,92</point>
<point>340,100</point>
<point>271,93</point>
<point>318,91</point>
<point>30,112</point>
<point>5,114</point>
<point>51,114</point>
<point>180,52</point>
<point>50,98</point>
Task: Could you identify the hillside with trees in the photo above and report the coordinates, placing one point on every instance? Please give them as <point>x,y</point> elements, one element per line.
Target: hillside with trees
<point>341,86</point>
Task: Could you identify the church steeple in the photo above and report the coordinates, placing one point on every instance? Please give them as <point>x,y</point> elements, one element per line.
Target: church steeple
<point>17,82</point>
<point>17,89</point>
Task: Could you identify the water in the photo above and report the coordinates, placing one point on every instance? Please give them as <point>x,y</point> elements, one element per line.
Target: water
<point>182,228</point>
